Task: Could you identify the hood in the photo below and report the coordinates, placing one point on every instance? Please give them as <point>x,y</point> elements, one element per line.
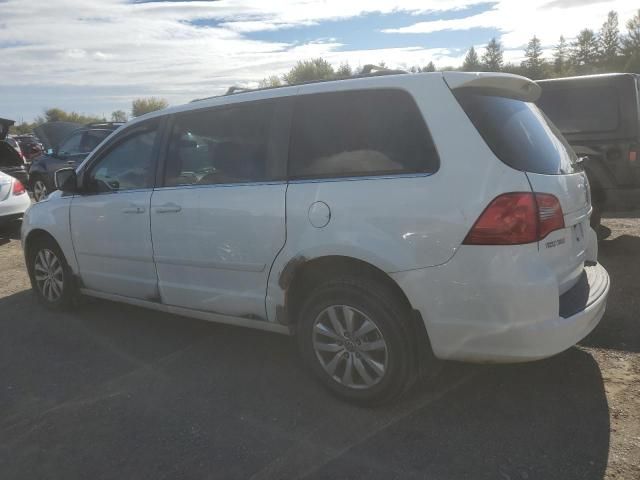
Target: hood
<point>4,127</point>
<point>51,134</point>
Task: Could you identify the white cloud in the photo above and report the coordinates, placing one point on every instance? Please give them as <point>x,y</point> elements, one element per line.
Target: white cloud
<point>520,20</point>
<point>111,50</point>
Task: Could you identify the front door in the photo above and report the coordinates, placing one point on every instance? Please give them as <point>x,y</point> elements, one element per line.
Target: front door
<point>218,222</point>
<point>110,220</point>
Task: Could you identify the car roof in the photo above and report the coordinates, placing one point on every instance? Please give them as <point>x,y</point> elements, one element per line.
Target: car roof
<point>393,79</point>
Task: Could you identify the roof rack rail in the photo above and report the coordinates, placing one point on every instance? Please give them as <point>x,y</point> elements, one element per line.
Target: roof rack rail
<point>373,70</point>
<point>103,124</point>
<point>233,89</point>
<point>368,70</point>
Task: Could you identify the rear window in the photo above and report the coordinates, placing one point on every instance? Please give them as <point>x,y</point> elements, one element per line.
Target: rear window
<point>92,138</point>
<point>519,133</point>
<point>359,133</point>
<point>582,109</point>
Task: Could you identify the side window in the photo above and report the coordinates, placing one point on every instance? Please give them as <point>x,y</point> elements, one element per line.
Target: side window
<point>129,165</point>
<point>91,139</point>
<point>71,146</point>
<point>359,133</point>
<point>223,145</point>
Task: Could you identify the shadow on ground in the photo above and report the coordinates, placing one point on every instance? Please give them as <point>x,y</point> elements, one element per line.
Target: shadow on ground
<point>9,231</point>
<point>620,328</point>
<point>119,392</point>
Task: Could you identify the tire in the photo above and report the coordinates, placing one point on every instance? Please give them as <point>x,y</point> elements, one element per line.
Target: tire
<point>40,189</point>
<point>50,275</point>
<point>372,309</point>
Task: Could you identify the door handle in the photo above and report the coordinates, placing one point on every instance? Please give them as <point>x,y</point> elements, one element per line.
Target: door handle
<point>168,208</point>
<point>133,209</point>
<point>71,162</point>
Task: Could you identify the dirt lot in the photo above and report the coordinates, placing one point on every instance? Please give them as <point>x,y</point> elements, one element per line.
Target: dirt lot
<point>118,392</point>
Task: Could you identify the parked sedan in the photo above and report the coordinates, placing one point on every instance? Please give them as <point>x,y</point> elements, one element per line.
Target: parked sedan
<point>14,199</point>
<point>67,146</point>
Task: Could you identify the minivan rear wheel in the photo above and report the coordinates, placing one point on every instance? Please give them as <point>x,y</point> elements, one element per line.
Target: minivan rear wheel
<point>353,334</point>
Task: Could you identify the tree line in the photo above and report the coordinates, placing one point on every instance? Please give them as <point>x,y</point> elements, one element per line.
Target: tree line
<point>604,51</point>
<point>139,106</point>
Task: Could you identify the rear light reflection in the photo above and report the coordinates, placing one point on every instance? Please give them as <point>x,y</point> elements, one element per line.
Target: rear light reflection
<point>550,217</point>
<point>517,218</point>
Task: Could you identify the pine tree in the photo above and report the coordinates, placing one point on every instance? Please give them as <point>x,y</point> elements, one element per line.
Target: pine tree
<point>610,40</point>
<point>560,54</point>
<point>471,61</point>
<point>631,45</point>
<point>344,70</point>
<point>493,56</point>
<point>585,49</point>
<point>430,67</point>
<point>534,63</point>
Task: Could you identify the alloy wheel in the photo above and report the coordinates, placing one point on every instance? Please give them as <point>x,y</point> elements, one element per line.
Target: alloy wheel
<point>350,347</point>
<point>49,275</point>
<point>39,190</point>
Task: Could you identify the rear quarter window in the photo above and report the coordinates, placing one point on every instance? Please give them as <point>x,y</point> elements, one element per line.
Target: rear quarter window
<point>518,133</point>
<point>359,133</point>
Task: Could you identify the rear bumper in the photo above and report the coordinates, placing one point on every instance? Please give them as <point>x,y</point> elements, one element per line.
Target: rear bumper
<point>515,317</point>
<point>14,207</point>
<point>545,339</point>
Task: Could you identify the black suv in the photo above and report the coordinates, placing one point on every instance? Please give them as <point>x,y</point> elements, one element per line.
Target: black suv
<point>69,152</point>
<point>600,117</point>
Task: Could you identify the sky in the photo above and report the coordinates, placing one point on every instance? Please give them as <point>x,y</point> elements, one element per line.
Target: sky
<point>96,56</point>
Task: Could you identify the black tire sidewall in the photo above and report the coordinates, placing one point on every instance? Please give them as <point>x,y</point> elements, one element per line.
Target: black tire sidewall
<point>388,320</point>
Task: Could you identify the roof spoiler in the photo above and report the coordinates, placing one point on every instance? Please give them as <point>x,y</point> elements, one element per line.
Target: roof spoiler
<point>500,84</point>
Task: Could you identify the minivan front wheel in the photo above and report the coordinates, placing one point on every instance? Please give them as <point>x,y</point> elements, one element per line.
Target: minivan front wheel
<point>353,335</point>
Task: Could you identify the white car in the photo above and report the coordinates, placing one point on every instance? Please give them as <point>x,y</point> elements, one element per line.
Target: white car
<point>14,199</point>
<point>375,218</point>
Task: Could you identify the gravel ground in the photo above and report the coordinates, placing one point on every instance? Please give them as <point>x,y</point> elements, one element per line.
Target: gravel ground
<point>112,391</point>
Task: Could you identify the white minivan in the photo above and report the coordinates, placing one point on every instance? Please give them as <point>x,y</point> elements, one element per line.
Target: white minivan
<point>375,218</point>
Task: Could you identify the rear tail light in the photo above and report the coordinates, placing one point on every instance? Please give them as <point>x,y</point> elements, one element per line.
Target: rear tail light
<point>517,218</point>
<point>18,188</point>
<point>550,217</point>
<point>633,155</point>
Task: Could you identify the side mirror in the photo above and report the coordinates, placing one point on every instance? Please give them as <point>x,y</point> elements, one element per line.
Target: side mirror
<point>66,180</point>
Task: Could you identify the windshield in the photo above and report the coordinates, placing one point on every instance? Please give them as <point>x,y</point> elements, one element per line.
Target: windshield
<point>519,133</point>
